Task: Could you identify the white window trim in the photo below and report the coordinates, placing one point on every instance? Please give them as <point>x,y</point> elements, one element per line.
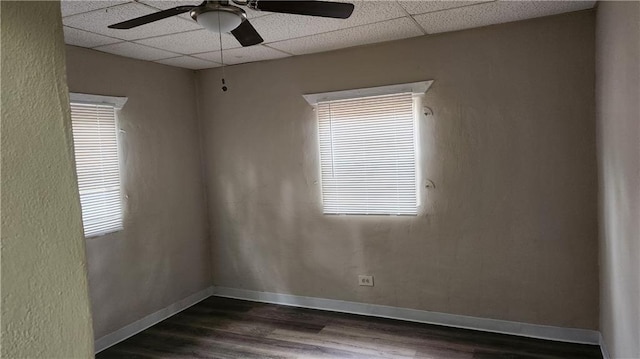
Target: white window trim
<point>416,88</point>
<point>116,102</point>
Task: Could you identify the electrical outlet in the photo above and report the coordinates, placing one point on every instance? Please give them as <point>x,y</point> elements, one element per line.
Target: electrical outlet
<point>366,280</point>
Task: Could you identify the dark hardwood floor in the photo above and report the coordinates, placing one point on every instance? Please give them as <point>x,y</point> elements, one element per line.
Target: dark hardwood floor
<point>229,328</point>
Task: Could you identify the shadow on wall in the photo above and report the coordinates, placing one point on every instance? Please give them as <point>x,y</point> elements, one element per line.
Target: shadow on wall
<point>510,223</point>
<point>272,236</point>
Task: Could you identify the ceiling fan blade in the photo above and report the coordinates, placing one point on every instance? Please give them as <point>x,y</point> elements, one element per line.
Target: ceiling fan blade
<point>336,10</point>
<point>246,34</point>
<point>151,17</point>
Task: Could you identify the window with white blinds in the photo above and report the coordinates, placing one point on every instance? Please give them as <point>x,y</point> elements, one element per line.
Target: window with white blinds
<point>96,151</point>
<point>368,155</point>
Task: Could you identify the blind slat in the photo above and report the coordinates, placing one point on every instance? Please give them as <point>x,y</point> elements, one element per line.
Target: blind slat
<point>97,167</point>
<point>367,155</point>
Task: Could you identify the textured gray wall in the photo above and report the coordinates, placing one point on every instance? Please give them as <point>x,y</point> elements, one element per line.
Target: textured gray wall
<point>45,300</point>
<point>509,232</point>
<point>618,120</point>
<point>163,253</point>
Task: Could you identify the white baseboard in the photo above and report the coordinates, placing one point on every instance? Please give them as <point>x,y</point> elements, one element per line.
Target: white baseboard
<point>151,319</point>
<point>571,335</point>
<point>603,348</point>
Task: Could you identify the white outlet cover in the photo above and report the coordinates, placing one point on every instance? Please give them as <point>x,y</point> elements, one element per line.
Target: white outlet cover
<point>365,280</point>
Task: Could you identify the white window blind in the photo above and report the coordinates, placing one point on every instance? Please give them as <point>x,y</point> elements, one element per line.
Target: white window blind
<point>368,155</point>
<point>96,152</point>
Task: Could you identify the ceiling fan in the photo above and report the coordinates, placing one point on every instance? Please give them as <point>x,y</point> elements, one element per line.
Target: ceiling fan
<point>223,16</point>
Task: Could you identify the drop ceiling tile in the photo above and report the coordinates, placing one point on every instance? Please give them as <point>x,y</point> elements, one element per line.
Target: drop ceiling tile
<point>243,55</point>
<point>72,7</point>
<point>130,49</point>
<point>495,13</point>
<point>86,39</point>
<point>161,4</point>
<point>98,20</point>
<point>188,62</point>
<point>361,35</point>
<point>278,27</point>
<point>421,7</point>
<point>192,42</point>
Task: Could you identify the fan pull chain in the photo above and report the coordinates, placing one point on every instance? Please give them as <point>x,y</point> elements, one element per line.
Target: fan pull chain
<point>224,85</point>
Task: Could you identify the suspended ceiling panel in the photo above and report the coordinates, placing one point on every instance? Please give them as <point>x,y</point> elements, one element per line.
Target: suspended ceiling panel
<point>241,55</point>
<point>179,41</point>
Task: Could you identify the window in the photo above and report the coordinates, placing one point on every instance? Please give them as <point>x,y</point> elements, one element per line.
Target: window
<point>368,155</point>
<point>95,144</point>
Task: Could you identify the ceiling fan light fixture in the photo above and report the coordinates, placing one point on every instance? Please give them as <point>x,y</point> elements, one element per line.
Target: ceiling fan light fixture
<point>219,21</point>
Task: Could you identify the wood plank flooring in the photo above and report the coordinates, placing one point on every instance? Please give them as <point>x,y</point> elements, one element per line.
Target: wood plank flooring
<point>230,328</point>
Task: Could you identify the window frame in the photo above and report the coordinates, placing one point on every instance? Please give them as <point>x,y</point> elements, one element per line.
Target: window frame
<point>416,89</point>
<point>117,103</point>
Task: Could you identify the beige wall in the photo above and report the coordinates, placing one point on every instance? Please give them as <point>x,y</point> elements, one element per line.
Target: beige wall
<point>618,124</point>
<point>510,232</point>
<point>163,253</point>
<point>45,304</point>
